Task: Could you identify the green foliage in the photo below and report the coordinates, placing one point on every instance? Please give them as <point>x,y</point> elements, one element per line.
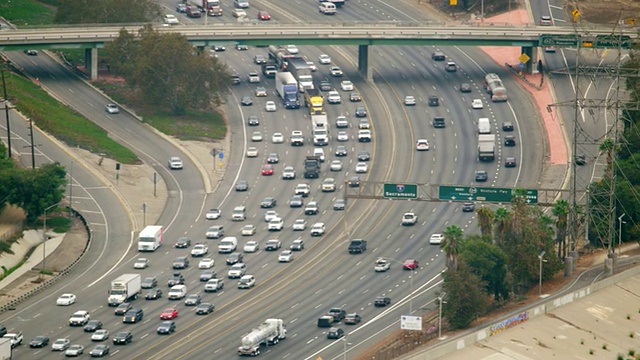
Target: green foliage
<point>5,247</point>
<point>28,12</point>
<point>490,263</point>
<point>451,244</point>
<point>190,126</point>
<point>38,189</point>
<point>107,11</point>
<point>466,300</point>
<point>58,223</point>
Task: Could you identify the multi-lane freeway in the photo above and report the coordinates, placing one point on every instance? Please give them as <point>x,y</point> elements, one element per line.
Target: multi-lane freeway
<point>323,275</point>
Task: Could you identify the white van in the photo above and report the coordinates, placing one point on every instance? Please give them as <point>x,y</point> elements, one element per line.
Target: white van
<point>239,213</point>
<point>177,292</point>
<point>327,8</point>
<point>319,153</point>
<point>227,245</point>
<point>484,126</point>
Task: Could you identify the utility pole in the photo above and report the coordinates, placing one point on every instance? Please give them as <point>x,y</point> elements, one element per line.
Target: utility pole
<point>33,145</point>
<point>6,113</point>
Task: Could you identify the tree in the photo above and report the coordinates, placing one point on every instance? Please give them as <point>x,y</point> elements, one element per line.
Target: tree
<point>502,222</point>
<point>451,244</point>
<point>561,211</point>
<point>485,220</point>
<point>466,300</point>
<point>36,189</point>
<point>490,263</point>
<point>107,11</point>
<point>122,54</point>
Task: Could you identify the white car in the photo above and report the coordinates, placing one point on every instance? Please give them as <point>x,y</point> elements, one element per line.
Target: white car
<point>270,106</point>
<point>66,300</point>
<point>213,214</point>
<point>292,49</point>
<point>409,219</point>
<point>333,97</point>
<point>60,344</point>
<point>247,282</point>
<point>285,256</point>
<point>213,285</point>
<point>252,152</point>
<point>409,100</point>
<point>112,109</point>
<point>100,335</point>
<point>288,173</point>
<point>364,135</point>
<point>275,224</point>
<point>251,247</point>
<point>324,59</point>
<point>175,163</point>
<point>206,263</point>
<point>141,263</point>
<point>256,136</point>
<point>302,189</point>
<point>270,215</point>
<point>254,77</point>
<point>277,138</point>
<point>239,13</point>
<point>382,265</point>
<point>362,167</point>
<point>171,19</point>
<point>422,145</point>
<point>248,230</point>
<point>328,185</point>
<point>299,225</point>
<point>436,239</point>
<point>346,85</point>
<point>317,229</point>
<point>335,71</point>
<point>477,104</point>
<point>199,250</point>
<point>343,136</point>
<point>336,165</point>
<point>79,318</point>
<point>312,66</point>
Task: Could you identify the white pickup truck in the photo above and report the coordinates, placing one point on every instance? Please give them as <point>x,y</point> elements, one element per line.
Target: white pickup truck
<point>15,338</point>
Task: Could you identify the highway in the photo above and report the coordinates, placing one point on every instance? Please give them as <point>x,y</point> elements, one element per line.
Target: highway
<point>323,275</point>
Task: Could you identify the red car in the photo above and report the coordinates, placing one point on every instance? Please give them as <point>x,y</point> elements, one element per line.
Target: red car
<point>267,169</point>
<point>410,264</point>
<point>169,314</point>
<point>263,15</point>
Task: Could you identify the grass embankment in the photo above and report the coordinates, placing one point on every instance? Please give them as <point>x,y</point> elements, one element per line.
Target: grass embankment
<point>24,13</point>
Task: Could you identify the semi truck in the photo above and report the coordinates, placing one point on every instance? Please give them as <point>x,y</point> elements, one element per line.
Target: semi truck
<point>313,99</point>
<point>311,167</point>
<point>320,126</point>
<point>269,333</point>
<point>125,288</point>
<point>287,89</point>
<point>150,238</point>
<point>302,71</point>
<point>486,147</point>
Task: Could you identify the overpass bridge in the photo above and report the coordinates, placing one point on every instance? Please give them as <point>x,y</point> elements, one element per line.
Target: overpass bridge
<point>363,35</point>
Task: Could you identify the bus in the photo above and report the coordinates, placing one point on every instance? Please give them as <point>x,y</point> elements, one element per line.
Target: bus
<point>150,238</point>
<point>495,87</point>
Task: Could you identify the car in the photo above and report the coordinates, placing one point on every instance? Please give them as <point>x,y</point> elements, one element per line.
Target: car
<point>346,85</point>
<point>335,71</point>
<point>270,106</point>
<point>218,48</point>
<point>236,271</point>
<point>481,176</point>
<point>166,327</point>
<point>253,120</point>
<point>207,275</point>
<point>60,345</point>
<point>246,282</point>
<point>433,100</point>
<point>79,318</point>
<point>234,258</point>
<point>361,112</point>
<point>66,300</point>
<point>328,185</point>
<point>256,136</point>
<point>299,225</point>
<point>175,163</point>
<point>381,265</point>
<point>410,264</point>
<point>99,350</point>
<point>272,245</point>
<point>141,263</point>
<point>270,214</point>
<point>336,165</point>
<point>333,97</point>
<point>169,313</point>
<point>214,285</point>
<point>74,350</point>
<point>297,245</point>
<point>285,256</point>
<point>361,167</point>
<point>297,138</point>
<point>259,59</point>
<point>317,229</point>
<point>39,341</point>
<point>438,56</point>
<point>251,247</point>
<point>409,219</point>
<point>246,101</point>
<point>339,204</point>
<point>325,85</point>
<point>93,325</point>
<point>263,15</point>
<point>176,279</point>
<point>31,52</point>
<point>342,122</point>
<point>422,145</point>
<point>181,262</point>
<point>436,239</point>
<point>546,20</point>
<point>341,150</point>
<point>235,78</point>
<point>213,214</point>
<point>510,161</point>
<point>182,243</point>
<point>312,66</point>
<point>549,49</point>
<point>335,333</point>
<point>276,224</point>
<point>302,189</point>
<point>409,100</point>
<point>381,301</point>
<point>288,173</point>
<point>248,230</point>
<point>206,263</point>
<point>192,300</point>
<point>354,181</point>
<point>355,97</point>
<point>509,140</point>
<point>324,59</point>
<point>122,309</point>
<point>112,108</point>
<point>364,156</point>
<point>242,47</point>
<point>267,170</point>
<point>239,13</point>
<point>251,153</point>
<point>205,308</point>
<point>273,158</point>
<point>311,208</point>
<point>292,49</point>
<point>468,207</point>
<point>133,316</point>
<point>465,88</point>
<point>268,202</point>
<point>100,335</point>
<point>343,136</point>
<point>253,77</point>
<point>364,124</point>
<point>171,19</point>
<point>277,138</point>
<point>123,338</point>
<point>507,126</point>
<point>296,201</point>
<point>451,67</point>
<point>352,319</point>
<point>477,104</point>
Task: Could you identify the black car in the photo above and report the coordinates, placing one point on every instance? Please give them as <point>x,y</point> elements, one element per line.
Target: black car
<point>3,330</point>
<point>241,47</point>
<point>218,48</point>
<point>341,150</point>
<point>507,126</point>
<point>434,100</point>
<point>205,308</point>
<point>246,101</point>
<point>273,158</point>
<point>335,333</point>
<point>361,111</point>
<point>99,350</point>
<point>465,87</point>
<point>438,56</point>
<point>296,201</point>
<point>123,338</point>
<point>481,176</point>
<point>259,59</point>
<point>133,316</point>
<point>181,262</point>
<point>183,243</point>
<point>175,279</point>
<point>268,202</point>
<point>149,282</point>
<point>253,120</point>
<point>122,309</point>
<point>325,85</point>
<point>510,161</point>
<point>364,156</point>
<point>93,325</point>
<point>468,207</point>
<point>242,185</point>
<point>207,275</point>
<point>509,140</point>
<point>354,181</point>
<point>31,52</point>
<point>167,327</point>
<point>355,97</point>
<point>153,294</point>
<point>580,159</point>
<point>235,258</point>
<point>381,301</point>
<point>39,341</point>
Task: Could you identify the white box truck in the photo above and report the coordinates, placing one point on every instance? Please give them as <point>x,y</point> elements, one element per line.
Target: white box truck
<point>125,288</point>
<point>484,126</point>
<point>486,147</point>
<point>150,238</point>
<point>268,333</point>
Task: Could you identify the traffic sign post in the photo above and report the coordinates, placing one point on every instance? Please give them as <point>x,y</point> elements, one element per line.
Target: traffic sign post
<point>400,191</point>
<point>488,194</point>
<point>559,40</point>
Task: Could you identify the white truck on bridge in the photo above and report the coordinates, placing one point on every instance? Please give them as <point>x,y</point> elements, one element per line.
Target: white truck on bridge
<point>268,333</point>
<point>125,288</point>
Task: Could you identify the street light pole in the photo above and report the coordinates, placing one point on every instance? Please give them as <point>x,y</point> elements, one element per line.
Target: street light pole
<point>540,279</point>
<point>344,352</point>
<point>620,222</point>
<point>411,292</point>
<point>44,239</point>
<point>440,301</point>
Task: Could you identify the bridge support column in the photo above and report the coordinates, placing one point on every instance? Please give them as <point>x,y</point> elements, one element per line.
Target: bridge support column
<point>91,62</point>
<point>531,66</point>
<point>363,62</point>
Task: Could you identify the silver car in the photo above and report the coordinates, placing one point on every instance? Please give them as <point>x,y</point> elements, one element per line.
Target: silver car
<point>175,163</point>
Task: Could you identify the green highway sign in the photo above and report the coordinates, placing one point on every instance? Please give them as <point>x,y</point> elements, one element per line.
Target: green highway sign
<point>559,40</point>
<point>400,191</point>
<point>489,194</point>
<point>613,41</point>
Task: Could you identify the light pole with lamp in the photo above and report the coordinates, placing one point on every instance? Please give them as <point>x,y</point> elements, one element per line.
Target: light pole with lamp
<point>440,301</point>
<point>540,257</point>
<point>620,222</point>
<point>344,351</point>
<point>44,238</point>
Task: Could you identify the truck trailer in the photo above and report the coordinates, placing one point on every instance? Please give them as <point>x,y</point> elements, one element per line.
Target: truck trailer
<point>302,72</point>
<point>269,333</point>
<point>486,147</point>
<point>125,288</point>
<point>287,89</point>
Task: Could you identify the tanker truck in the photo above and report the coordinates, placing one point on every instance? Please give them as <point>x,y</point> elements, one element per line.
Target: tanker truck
<point>268,333</point>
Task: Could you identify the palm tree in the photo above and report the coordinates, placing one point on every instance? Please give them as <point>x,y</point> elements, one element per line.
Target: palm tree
<point>485,221</point>
<point>451,244</point>
<point>561,211</point>
<point>502,222</point>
